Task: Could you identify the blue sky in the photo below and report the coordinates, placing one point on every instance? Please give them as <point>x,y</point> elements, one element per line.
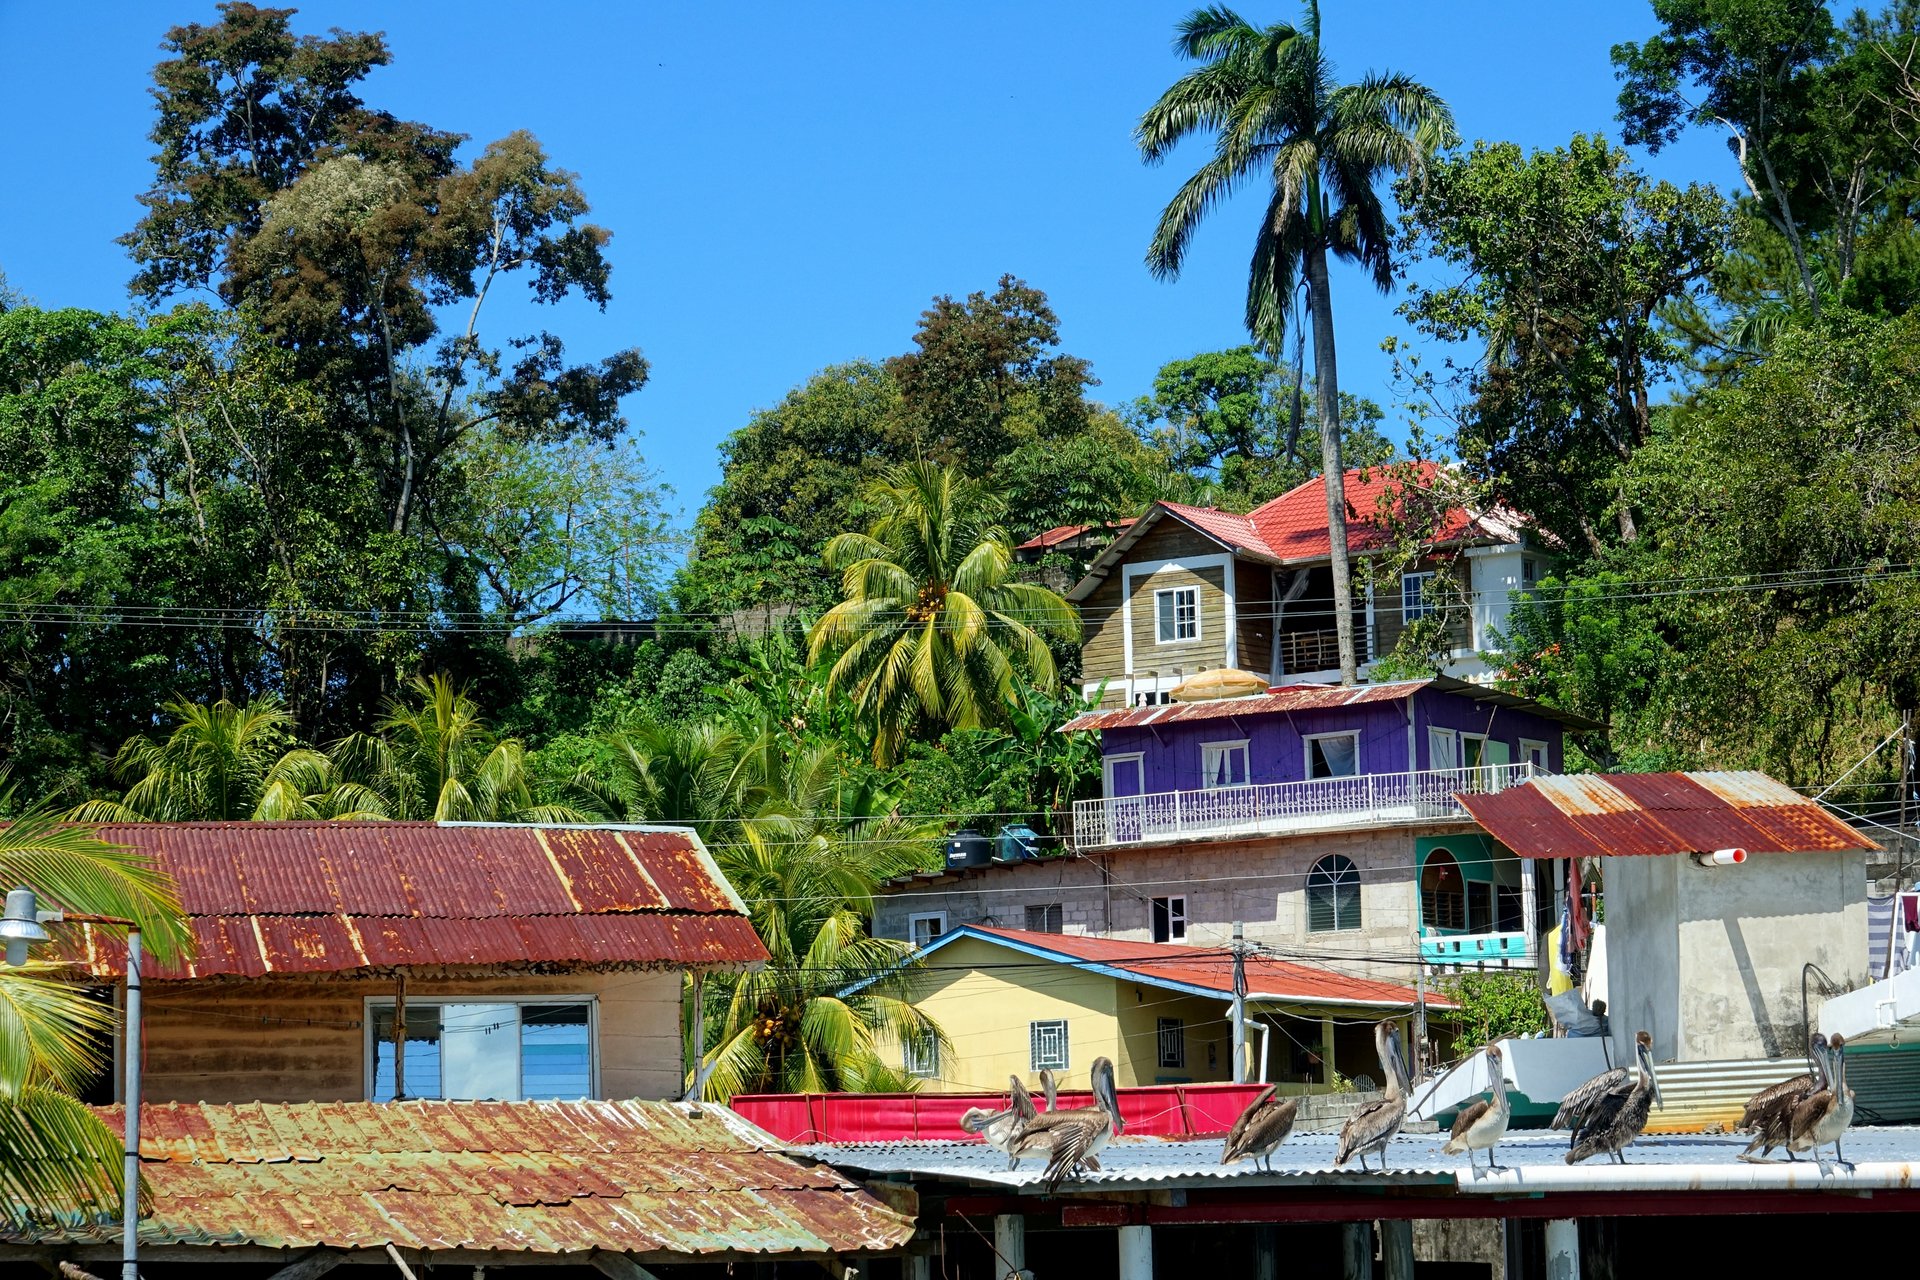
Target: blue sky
<point>790,184</point>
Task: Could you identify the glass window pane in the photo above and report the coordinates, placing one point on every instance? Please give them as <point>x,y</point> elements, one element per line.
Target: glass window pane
<point>480,1050</point>
<point>1164,601</point>
<point>423,1052</point>
<point>556,1052</point>
<point>1335,757</point>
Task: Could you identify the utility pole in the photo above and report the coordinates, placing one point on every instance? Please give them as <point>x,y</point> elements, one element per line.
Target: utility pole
<point>1239,1003</point>
<point>1419,1011</point>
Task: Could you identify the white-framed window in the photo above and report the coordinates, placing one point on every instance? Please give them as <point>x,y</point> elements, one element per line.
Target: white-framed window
<point>1153,698</point>
<point>926,926</point>
<point>1416,596</point>
<point>1333,755</point>
<point>474,1048</point>
<point>1333,895</point>
<point>1172,1036</point>
<point>1124,773</point>
<point>1169,918</point>
<point>1048,1043</point>
<point>1473,750</point>
<point>1534,752</point>
<point>1045,917</point>
<point>1176,612</point>
<point>922,1060</point>
<point>1223,764</point>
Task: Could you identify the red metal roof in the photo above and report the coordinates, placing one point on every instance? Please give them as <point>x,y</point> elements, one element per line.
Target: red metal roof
<point>1614,814</point>
<point>514,1177</point>
<point>1212,969</point>
<point>1293,526</point>
<point>1281,698</point>
<point>1066,533</point>
<point>317,897</point>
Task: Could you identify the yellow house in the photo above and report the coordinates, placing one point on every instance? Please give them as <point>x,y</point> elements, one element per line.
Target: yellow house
<point>1012,1002</point>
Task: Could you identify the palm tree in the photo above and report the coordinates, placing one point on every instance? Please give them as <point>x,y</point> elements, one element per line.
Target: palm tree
<point>224,763</point>
<point>1271,100</point>
<point>56,1155</point>
<point>438,760</point>
<point>711,775</point>
<point>932,622</point>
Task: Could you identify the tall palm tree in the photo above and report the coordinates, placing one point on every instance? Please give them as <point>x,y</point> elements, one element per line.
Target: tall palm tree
<point>1271,100</point>
<point>932,621</point>
<point>223,763</point>
<point>438,760</point>
<point>56,1155</point>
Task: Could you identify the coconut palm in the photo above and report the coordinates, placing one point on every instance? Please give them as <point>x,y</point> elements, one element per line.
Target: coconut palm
<point>1270,98</point>
<point>438,760</point>
<point>710,775</point>
<point>932,623</point>
<point>223,762</point>
<point>56,1155</point>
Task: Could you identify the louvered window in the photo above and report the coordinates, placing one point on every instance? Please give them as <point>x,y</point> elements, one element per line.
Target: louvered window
<point>1044,919</point>
<point>1333,895</point>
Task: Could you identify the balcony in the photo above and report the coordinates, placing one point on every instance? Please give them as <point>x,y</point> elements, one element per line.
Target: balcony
<point>1287,808</point>
<point>1476,951</point>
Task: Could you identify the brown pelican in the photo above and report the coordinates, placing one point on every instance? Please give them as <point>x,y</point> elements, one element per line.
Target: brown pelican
<point>1049,1086</point>
<point>1482,1123</point>
<point>1263,1126</point>
<point>1824,1116</point>
<point>1769,1113</point>
<point>1578,1102</point>
<point>1371,1128</point>
<point>1001,1128</point>
<point>1615,1119</point>
<point>1074,1138</point>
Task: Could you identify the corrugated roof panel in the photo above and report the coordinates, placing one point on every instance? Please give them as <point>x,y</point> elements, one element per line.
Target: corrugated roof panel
<point>511,1177</point>
<point>316,897</point>
<point>1627,814</point>
<point>1284,698</point>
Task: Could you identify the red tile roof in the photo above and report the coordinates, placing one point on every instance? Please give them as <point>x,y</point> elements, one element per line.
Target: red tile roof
<point>1294,525</point>
<point>1613,814</point>
<point>1211,969</point>
<point>318,897</point>
<point>511,1177</point>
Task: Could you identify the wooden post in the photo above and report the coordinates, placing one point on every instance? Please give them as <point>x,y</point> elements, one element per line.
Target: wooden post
<point>400,1035</point>
<point>1356,1251</point>
<point>1326,1051</point>
<point>699,1038</point>
<point>1396,1248</point>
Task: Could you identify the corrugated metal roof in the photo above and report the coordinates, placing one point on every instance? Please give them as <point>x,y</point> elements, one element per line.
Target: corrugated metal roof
<point>1614,814</point>
<point>513,1177</point>
<point>317,897</point>
<point>1536,1160</point>
<point>1281,698</point>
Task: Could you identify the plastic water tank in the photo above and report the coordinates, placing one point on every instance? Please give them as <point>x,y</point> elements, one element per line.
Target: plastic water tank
<point>1017,842</point>
<point>969,848</point>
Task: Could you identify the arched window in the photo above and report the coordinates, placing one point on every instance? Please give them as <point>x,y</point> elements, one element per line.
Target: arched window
<point>1443,892</point>
<point>1333,895</point>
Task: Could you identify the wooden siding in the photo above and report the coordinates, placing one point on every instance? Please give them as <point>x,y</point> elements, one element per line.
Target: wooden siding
<point>302,1040</point>
<point>1184,657</point>
<point>1389,621</point>
<point>1103,651</point>
<point>1253,607</point>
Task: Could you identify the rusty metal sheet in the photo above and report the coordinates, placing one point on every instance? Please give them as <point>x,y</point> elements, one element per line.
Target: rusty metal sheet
<point>1627,814</point>
<point>268,898</point>
<point>1283,698</point>
<point>510,1177</point>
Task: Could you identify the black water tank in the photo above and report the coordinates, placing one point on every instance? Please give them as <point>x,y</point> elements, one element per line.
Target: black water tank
<point>969,849</point>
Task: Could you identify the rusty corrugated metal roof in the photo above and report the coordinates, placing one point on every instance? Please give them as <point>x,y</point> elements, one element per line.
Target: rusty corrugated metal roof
<point>1288,697</point>
<point>318,897</point>
<point>514,1177</point>
<point>1613,814</point>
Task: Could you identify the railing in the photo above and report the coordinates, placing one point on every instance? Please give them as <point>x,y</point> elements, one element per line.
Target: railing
<point>1283,807</point>
<point>1476,950</point>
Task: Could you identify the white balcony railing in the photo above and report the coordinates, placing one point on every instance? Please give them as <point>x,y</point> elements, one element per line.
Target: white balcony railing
<point>1281,808</point>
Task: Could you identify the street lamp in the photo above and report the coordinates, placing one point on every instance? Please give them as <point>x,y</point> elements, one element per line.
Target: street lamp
<point>25,923</point>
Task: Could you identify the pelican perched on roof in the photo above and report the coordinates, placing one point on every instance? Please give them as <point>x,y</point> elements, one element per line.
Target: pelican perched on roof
<point>1769,1113</point>
<point>1482,1123</point>
<point>1263,1126</point>
<point>1371,1128</point>
<point>1001,1128</point>
<point>1074,1138</point>
<point>1823,1117</point>
<point>1614,1119</point>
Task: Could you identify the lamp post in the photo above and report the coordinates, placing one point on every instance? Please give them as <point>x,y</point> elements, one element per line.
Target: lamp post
<point>25,923</point>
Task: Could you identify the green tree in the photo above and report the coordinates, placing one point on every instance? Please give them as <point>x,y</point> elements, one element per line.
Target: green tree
<point>1271,100</point>
<point>1565,261</point>
<point>932,625</point>
<point>57,1157</point>
<point>1495,1006</point>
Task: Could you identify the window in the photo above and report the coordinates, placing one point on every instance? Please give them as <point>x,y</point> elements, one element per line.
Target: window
<point>1173,1042</point>
<point>1333,895</point>
<point>1048,1041</point>
<point>1169,919</point>
<point>922,1060</point>
<point>1044,919</point>
<point>1177,614</point>
<point>1479,906</point>
<point>1443,892</point>
<point>1534,752</point>
<point>1223,764</point>
<point>1473,750</point>
<point>505,1050</point>
<point>923,929</point>
<point>1529,572</point>
<point>1416,592</point>
<point>1153,698</point>
<point>1333,755</point>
